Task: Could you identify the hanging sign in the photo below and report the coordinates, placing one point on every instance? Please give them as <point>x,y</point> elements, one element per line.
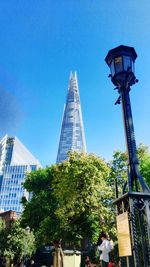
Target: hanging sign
<point>123,232</point>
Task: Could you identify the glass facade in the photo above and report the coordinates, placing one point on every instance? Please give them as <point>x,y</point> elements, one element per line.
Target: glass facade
<point>15,162</point>
<point>12,190</point>
<point>6,148</point>
<point>72,132</point>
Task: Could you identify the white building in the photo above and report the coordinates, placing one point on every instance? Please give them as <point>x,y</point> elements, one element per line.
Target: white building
<point>15,161</point>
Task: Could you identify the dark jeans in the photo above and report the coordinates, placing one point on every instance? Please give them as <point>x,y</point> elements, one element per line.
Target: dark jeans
<point>104,263</point>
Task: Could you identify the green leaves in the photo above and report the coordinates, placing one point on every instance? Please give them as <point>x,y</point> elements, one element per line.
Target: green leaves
<point>119,167</point>
<point>73,199</point>
<point>144,159</point>
<point>15,241</point>
<point>2,235</point>
<point>79,189</point>
<point>69,199</point>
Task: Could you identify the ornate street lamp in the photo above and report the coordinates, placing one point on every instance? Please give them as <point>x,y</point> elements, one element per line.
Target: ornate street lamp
<point>135,200</point>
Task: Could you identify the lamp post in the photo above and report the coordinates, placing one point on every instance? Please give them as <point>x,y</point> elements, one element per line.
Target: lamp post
<point>135,200</point>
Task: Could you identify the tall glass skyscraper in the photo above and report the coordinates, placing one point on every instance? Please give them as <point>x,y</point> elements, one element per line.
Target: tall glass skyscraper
<point>15,162</point>
<point>72,136</point>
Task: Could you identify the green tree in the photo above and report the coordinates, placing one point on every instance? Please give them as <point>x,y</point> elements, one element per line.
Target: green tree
<point>119,166</point>
<point>70,200</point>
<point>118,173</point>
<point>83,194</point>
<point>39,212</point>
<point>144,160</point>
<point>2,235</point>
<point>15,242</point>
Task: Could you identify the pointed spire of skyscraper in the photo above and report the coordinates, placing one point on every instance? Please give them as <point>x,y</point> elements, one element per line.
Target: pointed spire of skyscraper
<point>72,132</point>
<point>71,75</point>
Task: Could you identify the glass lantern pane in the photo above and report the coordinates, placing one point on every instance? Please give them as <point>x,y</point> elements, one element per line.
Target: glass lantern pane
<point>133,68</point>
<point>112,68</point>
<point>127,63</point>
<point>118,64</point>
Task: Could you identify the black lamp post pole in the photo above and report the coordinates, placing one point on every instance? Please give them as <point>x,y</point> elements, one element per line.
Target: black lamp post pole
<point>136,195</point>
<point>135,180</point>
<point>134,174</point>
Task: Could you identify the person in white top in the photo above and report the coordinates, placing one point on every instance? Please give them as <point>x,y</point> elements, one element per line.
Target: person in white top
<point>104,249</point>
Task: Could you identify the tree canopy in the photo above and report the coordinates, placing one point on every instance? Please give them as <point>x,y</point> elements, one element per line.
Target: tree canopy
<point>70,200</point>
<point>119,166</point>
<point>15,242</point>
<point>144,160</point>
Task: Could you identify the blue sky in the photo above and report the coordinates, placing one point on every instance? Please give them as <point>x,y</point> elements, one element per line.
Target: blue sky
<point>41,41</point>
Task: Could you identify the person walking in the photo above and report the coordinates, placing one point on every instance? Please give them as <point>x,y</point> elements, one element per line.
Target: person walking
<point>104,250</point>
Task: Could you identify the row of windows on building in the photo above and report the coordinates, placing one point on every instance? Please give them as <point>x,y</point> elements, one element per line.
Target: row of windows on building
<point>7,188</point>
<point>21,175</point>
<point>70,124</point>
<point>9,201</point>
<point>16,208</point>
<point>68,133</point>
<point>11,182</point>
<point>10,195</point>
<point>20,169</point>
<point>72,148</point>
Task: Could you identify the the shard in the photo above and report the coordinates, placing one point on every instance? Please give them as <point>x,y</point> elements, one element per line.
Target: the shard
<point>72,131</point>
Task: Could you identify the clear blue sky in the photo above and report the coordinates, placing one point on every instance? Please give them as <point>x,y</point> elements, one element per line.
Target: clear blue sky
<point>41,41</point>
